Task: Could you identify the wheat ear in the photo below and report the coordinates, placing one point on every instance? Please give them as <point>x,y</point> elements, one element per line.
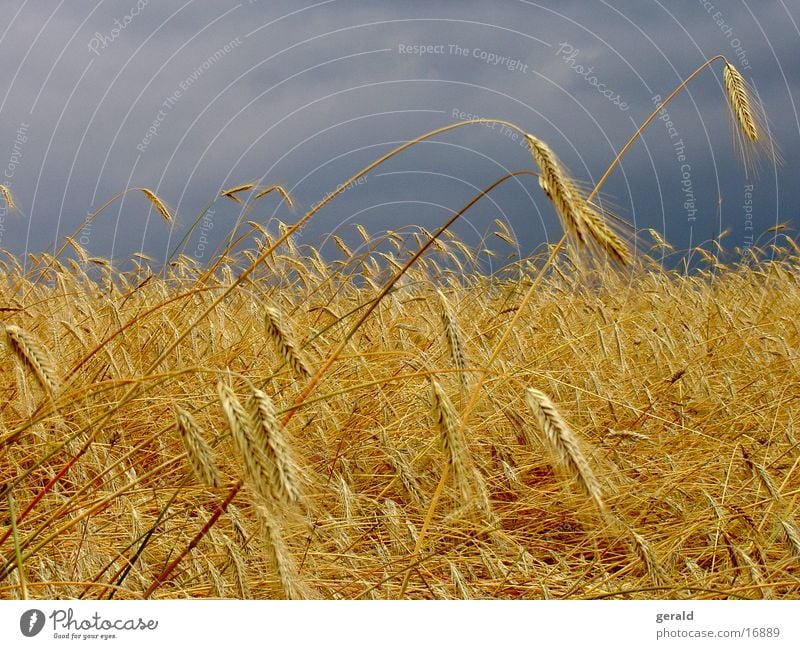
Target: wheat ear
<point>276,188</point>
<point>201,457</point>
<point>564,445</point>
<point>279,333</point>
<point>257,469</point>
<point>792,534</point>
<point>578,217</point>
<point>231,193</point>
<point>465,476</point>
<point>32,355</point>
<point>6,193</point>
<point>740,102</point>
<point>762,475</point>
<point>291,584</point>
<point>453,336</point>
<point>646,555</point>
<point>269,435</point>
<point>750,119</point>
<point>158,204</point>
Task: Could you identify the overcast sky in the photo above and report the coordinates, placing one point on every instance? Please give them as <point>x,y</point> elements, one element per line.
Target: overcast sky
<point>191,97</point>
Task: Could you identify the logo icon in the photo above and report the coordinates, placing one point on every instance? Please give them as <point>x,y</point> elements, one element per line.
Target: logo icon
<point>31,622</point>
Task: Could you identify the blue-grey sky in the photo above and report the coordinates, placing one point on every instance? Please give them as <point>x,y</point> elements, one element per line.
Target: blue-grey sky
<point>188,97</point>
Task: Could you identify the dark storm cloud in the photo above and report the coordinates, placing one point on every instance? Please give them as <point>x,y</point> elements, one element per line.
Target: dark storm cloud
<point>187,97</point>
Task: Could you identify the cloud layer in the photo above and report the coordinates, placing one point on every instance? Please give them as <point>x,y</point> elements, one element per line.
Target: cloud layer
<point>188,98</point>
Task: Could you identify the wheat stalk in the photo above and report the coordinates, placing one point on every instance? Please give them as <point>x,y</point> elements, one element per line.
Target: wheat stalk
<point>564,444</point>
<point>754,573</point>
<point>239,567</point>
<point>201,457</point>
<point>31,355</point>
<point>6,193</point>
<point>763,476</point>
<point>280,336</point>
<point>158,204</point>
<point>342,246</point>
<point>283,474</point>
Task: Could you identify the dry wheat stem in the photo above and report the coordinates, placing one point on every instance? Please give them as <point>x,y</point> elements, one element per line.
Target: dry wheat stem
<point>258,472</point>
<point>559,188</point>
<point>402,468</point>
<point>647,557</point>
<point>564,445</point>
<point>792,536</point>
<point>201,457</point>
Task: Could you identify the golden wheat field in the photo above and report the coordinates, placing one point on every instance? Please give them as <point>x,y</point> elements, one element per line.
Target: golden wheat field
<point>585,423</point>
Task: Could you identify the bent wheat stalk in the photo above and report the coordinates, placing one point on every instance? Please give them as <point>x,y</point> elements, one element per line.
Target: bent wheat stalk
<point>738,99</point>
<point>740,102</point>
<point>275,188</point>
